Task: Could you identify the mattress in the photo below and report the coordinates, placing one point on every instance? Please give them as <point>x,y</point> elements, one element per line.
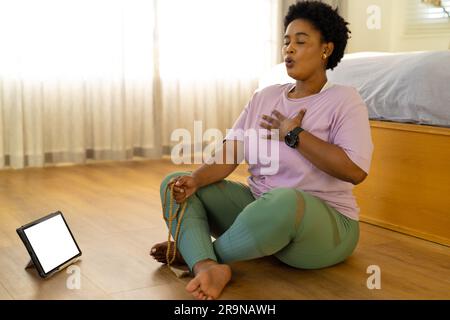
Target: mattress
<point>411,87</point>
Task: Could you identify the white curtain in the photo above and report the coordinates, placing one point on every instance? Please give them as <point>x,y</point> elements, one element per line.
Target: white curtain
<point>211,63</point>
<point>97,79</point>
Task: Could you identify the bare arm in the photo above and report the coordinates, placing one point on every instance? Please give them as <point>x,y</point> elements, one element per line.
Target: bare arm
<point>329,158</point>
<point>231,155</point>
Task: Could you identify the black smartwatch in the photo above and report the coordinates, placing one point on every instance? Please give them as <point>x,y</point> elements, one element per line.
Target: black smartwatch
<point>292,138</point>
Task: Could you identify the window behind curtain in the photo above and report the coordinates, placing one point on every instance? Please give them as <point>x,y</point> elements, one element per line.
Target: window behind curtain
<point>76,39</point>
<point>85,39</point>
<point>217,39</point>
<point>426,19</point>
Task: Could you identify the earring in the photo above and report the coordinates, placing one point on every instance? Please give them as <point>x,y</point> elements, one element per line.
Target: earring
<point>324,56</point>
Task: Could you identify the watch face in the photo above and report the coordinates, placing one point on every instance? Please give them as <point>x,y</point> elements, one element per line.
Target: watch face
<point>290,140</point>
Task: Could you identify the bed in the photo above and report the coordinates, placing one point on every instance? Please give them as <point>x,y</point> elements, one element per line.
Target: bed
<point>408,98</point>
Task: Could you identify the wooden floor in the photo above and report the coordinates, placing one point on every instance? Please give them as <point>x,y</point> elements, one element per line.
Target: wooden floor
<point>114,212</point>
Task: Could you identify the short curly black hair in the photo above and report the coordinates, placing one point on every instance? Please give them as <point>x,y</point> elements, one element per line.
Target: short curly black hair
<point>327,20</point>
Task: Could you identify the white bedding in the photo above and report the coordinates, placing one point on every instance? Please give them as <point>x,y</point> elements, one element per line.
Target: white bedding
<point>403,87</point>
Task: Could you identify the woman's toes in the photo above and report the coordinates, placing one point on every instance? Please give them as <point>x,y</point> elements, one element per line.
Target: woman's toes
<point>193,285</point>
<point>155,249</point>
<point>159,252</point>
<point>197,294</point>
<point>211,280</point>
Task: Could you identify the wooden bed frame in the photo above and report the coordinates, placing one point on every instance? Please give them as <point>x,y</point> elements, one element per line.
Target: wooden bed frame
<point>408,187</point>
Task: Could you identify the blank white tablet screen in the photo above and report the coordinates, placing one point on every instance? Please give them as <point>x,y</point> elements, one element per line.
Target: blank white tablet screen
<point>52,242</point>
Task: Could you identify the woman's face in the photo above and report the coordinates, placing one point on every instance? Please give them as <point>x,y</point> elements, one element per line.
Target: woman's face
<point>303,50</point>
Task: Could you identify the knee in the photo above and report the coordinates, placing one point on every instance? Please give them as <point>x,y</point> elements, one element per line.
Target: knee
<point>282,196</point>
<point>273,219</point>
<point>168,177</point>
<point>286,203</point>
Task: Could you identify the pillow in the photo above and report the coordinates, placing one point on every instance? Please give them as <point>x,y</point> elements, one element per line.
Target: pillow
<point>404,87</point>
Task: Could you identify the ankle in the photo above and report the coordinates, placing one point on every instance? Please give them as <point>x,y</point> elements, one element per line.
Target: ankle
<point>201,265</point>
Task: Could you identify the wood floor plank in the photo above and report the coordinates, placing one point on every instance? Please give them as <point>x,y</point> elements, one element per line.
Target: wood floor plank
<point>4,295</point>
<point>114,211</point>
<point>117,264</point>
<point>170,291</point>
<point>26,284</point>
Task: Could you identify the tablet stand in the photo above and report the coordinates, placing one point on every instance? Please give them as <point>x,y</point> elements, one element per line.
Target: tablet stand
<point>30,265</point>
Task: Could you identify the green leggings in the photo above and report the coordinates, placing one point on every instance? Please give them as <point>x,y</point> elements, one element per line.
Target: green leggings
<point>245,228</point>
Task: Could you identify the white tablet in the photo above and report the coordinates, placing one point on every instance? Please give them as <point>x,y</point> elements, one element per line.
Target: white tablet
<point>50,243</point>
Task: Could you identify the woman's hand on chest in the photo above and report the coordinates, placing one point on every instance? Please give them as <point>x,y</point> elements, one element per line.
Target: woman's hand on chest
<point>277,121</point>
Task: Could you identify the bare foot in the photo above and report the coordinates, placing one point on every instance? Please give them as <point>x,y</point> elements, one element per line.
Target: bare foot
<point>209,281</point>
<point>158,252</point>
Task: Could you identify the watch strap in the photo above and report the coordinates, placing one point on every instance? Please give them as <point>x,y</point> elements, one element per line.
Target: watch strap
<point>296,131</point>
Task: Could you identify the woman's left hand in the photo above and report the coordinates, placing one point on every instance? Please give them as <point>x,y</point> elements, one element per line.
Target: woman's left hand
<point>280,122</point>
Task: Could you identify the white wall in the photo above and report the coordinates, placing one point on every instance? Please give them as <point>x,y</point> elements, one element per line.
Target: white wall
<point>363,38</point>
<point>391,36</point>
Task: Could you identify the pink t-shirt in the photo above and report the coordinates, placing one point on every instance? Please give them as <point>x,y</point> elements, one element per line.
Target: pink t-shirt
<point>337,115</point>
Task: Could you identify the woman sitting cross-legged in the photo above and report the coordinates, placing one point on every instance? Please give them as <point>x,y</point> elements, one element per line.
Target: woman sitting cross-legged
<point>303,212</point>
